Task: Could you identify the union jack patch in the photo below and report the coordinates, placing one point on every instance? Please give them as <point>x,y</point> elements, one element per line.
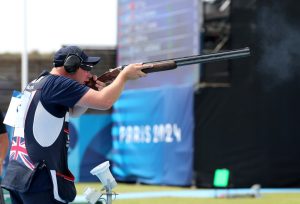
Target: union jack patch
<point>19,153</point>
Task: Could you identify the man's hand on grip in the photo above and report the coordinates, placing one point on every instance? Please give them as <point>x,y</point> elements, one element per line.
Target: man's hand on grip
<point>98,84</point>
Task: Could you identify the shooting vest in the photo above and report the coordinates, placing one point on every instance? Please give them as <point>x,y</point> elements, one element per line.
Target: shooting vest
<point>45,139</point>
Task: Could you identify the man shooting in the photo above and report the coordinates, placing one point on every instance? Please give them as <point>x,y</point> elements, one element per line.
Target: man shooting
<point>38,171</point>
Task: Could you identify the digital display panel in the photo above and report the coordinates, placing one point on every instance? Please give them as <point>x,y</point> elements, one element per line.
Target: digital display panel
<point>150,30</point>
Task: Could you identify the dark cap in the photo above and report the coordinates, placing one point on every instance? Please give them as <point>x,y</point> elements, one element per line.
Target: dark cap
<point>62,53</point>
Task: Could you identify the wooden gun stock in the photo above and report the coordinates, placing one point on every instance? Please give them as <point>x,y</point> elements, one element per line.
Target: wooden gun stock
<point>110,75</point>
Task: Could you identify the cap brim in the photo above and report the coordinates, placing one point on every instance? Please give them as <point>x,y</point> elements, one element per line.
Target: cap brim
<point>92,60</point>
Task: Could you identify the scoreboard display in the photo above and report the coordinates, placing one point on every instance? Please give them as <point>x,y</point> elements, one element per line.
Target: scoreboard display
<point>150,30</point>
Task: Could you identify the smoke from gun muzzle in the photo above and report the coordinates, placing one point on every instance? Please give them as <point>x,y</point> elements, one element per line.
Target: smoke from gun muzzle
<point>279,44</point>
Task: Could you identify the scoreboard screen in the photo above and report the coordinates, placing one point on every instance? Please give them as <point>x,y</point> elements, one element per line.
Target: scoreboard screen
<point>150,30</point>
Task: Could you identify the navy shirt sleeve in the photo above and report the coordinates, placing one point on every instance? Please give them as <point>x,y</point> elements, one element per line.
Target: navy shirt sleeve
<point>63,91</point>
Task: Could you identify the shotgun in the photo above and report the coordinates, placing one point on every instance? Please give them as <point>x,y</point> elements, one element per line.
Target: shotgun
<point>169,64</point>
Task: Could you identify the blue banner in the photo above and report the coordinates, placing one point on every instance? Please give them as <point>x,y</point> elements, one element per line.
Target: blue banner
<point>90,144</point>
<point>153,136</point>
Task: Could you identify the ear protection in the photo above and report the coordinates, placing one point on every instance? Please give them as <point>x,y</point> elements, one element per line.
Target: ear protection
<point>72,63</point>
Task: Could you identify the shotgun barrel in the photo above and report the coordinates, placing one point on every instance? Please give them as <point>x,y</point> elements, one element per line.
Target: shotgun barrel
<point>169,64</point>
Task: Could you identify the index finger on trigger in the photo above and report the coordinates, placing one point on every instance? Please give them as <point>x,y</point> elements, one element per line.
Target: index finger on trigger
<point>100,83</point>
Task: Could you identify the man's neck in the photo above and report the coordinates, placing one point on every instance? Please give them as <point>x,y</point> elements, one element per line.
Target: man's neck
<point>58,71</point>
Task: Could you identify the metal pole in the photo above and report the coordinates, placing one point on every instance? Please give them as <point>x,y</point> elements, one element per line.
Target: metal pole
<point>24,66</point>
<point>108,192</point>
